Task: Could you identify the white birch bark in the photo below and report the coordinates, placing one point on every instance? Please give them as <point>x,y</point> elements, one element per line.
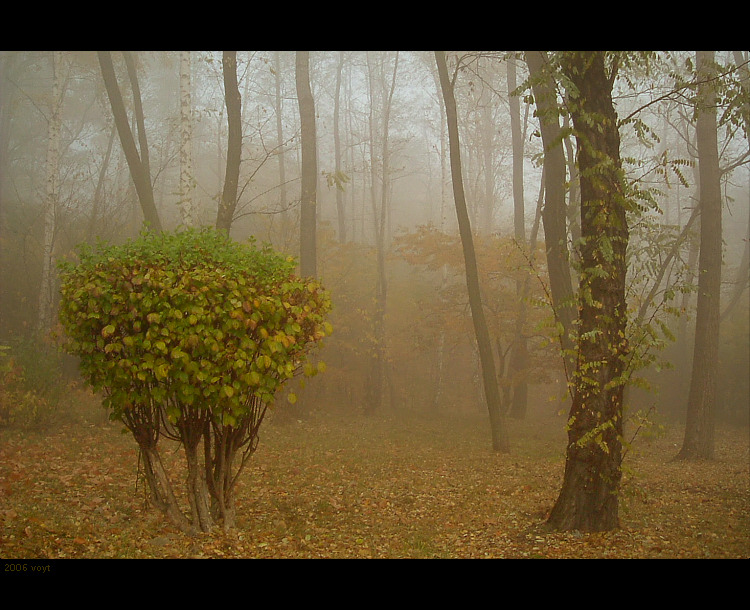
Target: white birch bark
<point>186,142</point>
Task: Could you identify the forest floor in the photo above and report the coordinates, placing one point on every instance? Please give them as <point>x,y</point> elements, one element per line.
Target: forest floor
<point>398,486</point>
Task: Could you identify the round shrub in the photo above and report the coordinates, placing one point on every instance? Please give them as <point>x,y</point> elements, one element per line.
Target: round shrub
<point>190,334</point>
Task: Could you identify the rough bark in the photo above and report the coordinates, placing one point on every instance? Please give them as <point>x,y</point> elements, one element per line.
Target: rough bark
<point>588,499</point>
<point>500,441</point>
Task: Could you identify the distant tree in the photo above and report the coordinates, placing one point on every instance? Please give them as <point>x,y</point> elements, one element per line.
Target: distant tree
<point>278,109</point>
<point>233,101</point>
<point>190,336</point>
<point>137,162</point>
<point>338,171</point>
<point>380,210</point>
<point>186,141</point>
<point>519,350</point>
<point>699,429</point>
<point>308,213</point>
<point>742,280</point>
<point>54,125</point>
<point>500,440</point>
<point>554,212</point>
<point>588,500</point>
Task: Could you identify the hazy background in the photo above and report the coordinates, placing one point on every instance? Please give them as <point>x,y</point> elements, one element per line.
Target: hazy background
<point>431,358</point>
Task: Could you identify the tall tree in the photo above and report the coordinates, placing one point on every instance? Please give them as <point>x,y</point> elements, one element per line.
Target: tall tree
<point>139,171</point>
<point>233,101</point>
<point>280,142</point>
<point>743,271</point>
<point>140,119</point>
<point>519,352</point>
<point>337,150</point>
<point>588,499</point>
<point>377,372</point>
<point>309,178</point>
<point>54,125</point>
<point>186,141</point>
<point>500,441</point>
<point>699,429</point>
<point>554,211</point>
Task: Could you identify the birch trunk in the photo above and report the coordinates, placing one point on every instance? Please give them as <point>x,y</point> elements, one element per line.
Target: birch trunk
<point>51,196</point>
<point>186,142</point>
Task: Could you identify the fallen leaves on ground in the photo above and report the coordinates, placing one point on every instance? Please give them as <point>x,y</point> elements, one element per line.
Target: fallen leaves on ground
<point>390,487</point>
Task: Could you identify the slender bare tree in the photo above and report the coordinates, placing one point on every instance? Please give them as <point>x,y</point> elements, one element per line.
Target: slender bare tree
<point>233,101</point>
<point>308,212</point>
<point>699,429</point>
<point>138,167</point>
<point>500,441</point>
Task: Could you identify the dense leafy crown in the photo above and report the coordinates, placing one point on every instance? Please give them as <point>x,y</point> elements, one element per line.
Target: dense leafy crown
<point>189,318</point>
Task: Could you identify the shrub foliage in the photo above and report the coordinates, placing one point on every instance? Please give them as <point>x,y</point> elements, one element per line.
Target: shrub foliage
<point>190,335</point>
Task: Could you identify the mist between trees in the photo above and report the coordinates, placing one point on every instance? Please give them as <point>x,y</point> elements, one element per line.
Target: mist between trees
<point>349,161</point>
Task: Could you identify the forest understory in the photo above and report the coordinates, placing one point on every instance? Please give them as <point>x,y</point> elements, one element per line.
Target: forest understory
<point>398,485</point>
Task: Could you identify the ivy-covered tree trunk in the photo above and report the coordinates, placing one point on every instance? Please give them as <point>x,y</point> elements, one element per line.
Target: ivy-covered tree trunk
<point>699,430</point>
<point>500,440</point>
<point>588,499</point>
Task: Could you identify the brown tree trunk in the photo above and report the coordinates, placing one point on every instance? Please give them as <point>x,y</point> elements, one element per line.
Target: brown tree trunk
<point>233,100</point>
<point>337,151</point>
<point>588,499</point>
<point>554,212</point>
<point>699,430</point>
<point>138,170</point>
<point>519,350</point>
<point>500,440</point>
<point>308,222</point>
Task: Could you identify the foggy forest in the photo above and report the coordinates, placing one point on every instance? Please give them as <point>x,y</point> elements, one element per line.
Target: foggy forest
<point>374,304</point>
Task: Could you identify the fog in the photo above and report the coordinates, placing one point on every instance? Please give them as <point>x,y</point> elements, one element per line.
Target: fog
<point>53,200</point>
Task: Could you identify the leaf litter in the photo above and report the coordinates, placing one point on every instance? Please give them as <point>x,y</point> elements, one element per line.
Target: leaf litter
<point>394,486</point>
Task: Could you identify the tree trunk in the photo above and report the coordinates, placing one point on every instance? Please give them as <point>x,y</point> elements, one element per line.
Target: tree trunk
<point>233,100</point>
<point>140,120</point>
<point>519,351</point>
<point>699,430</point>
<point>93,223</point>
<point>588,499</point>
<point>308,221</point>
<point>337,151</point>
<point>500,440</point>
<point>280,144</point>
<point>138,170</point>
<point>186,142</point>
<point>554,213</point>
<point>46,290</point>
